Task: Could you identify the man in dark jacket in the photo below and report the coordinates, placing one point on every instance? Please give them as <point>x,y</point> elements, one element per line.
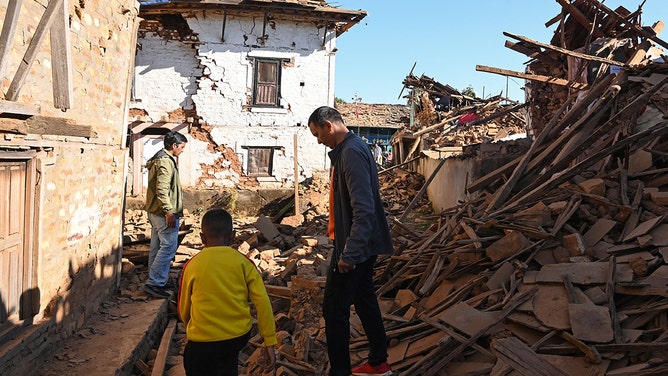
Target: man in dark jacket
<point>164,204</point>
<point>358,226</point>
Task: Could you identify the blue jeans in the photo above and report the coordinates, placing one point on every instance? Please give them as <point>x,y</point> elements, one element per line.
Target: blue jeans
<point>341,291</point>
<point>164,241</point>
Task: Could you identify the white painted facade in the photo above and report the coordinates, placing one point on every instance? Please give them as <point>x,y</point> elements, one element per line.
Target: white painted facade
<point>215,77</point>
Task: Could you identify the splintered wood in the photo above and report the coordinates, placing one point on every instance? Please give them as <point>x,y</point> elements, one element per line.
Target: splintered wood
<point>575,228</point>
<point>555,262</point>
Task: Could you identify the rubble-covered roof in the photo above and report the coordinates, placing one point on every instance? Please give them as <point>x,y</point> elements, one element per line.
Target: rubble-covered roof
<point>374,115</point>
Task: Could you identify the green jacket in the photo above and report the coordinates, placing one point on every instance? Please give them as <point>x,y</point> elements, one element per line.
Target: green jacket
<point>164,192</point>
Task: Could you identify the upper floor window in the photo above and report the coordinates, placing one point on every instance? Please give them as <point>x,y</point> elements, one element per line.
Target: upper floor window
<point>266,82</point>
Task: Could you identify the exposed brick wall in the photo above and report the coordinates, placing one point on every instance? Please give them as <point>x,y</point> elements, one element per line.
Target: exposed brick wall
<point>188,63</point>
<point>81,181</point>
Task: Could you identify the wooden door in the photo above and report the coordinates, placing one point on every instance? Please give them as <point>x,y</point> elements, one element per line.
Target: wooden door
<point>13,187</point>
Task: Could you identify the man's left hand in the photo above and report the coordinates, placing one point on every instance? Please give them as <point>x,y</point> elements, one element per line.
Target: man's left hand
<point>344,267</point>
<point>171,219</point>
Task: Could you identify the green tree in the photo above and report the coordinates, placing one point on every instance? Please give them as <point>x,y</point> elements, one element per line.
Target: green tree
<point>339,100</point>
<point>469,92</point>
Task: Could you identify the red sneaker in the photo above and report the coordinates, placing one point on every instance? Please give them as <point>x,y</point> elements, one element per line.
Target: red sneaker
<point>366,369</point>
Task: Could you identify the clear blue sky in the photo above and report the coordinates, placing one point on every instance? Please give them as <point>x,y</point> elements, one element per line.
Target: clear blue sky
<point>447,39</point>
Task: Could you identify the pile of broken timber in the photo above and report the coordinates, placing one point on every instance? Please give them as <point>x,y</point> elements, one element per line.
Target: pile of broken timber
<point>496,118</point>
<point>556,265</point>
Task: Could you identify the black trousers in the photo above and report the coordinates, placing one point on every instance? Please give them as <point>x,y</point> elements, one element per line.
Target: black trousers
<point>220,358</point>
<point>341,291</point>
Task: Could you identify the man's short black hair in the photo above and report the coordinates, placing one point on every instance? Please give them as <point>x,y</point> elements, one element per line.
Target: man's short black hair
<point>325,113</point>
<point>217,224</point>
<point>174,138</point>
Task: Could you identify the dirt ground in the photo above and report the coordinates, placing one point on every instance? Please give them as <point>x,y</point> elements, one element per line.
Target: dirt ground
<point>127,310</point>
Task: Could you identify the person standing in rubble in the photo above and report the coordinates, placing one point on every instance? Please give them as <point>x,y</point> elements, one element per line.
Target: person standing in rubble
<point>213,302</point>
<point>164,205</point>
<point>358,227</point>
<point>378,154</point>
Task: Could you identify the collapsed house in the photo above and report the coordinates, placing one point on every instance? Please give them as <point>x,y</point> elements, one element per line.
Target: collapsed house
<point>553,263</point>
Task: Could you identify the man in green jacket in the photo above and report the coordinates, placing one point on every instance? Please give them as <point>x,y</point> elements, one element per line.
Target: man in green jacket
<point>164,204</point>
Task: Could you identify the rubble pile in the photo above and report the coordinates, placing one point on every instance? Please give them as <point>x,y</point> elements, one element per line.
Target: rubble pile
<point>445,117</point>
<point>556,262</point>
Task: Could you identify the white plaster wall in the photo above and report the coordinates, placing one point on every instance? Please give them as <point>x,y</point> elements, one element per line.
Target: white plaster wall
<point>217,79</point>
<point>165,76</point>
<point>449,185</point>
<point>310,155</point>
<point>224,90</point>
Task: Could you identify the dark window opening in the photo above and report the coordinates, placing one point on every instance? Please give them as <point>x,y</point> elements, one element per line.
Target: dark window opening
<point>260,160</point>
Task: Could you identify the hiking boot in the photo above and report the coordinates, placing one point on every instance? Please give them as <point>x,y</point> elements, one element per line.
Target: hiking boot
<point>158,292</point>
<point>170,285</point>
<point>366,369</point>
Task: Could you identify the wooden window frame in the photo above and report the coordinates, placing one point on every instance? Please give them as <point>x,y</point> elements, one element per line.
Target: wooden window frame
<point>262,90</point>
<point>270,162</point>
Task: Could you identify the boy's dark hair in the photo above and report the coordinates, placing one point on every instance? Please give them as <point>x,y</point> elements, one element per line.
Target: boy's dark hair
<point>217,224</point>
<point>174,138</point>
<point>325,113</point>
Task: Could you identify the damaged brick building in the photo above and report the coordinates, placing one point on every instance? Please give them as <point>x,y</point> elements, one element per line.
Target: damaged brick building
<point>63,158</point>
<point>240,80</point>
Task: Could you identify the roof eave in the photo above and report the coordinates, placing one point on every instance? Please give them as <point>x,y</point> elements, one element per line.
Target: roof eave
<point>340,19</point>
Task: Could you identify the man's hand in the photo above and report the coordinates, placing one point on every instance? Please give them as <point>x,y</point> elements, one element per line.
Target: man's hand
<point>344,267</point>
<point>269,361</point>
<point>171,219</point>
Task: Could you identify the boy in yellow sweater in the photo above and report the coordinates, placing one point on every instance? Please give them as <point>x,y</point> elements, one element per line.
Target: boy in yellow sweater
<point>213,302</point>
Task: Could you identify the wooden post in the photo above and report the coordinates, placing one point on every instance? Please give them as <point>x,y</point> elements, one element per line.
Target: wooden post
<point>296,144</point>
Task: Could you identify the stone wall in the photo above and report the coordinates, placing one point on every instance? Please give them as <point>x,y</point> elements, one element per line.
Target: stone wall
<point>79,190</point>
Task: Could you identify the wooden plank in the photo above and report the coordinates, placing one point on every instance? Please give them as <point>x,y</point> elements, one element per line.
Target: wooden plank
<point>422,190</point>
<point>30,54</point>
<point>442,362</point>
<point>397,352</point>
<point>61,68</point>
<point>657,130</point>
<point>8,31</point>
<point>522,358</point>
<point>610,292</point>
<point>455,335</point>
<point>573,365</point>
<point>582,19</point>
<point>163,349</point>
<point>423,344</point>
<point>598,230</point>
<point>583,273</point>
<point>7,107</point>
<point>469,368</point>
<point>643,228</point>
<point>503,192</point>
<point>13,126</point>
<point>468,319</point>
<point>565,51</point>
<point>58,126</point>
<point>533,77</point>
<point>278,291</point>
<point>534,53</point>
<point>589,322</point>
<point>550,306</point>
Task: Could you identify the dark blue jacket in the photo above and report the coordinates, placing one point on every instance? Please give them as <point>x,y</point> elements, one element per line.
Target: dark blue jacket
<point>360,225</point>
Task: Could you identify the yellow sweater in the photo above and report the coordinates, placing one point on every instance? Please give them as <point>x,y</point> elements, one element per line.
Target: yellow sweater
<point>213,301</point>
